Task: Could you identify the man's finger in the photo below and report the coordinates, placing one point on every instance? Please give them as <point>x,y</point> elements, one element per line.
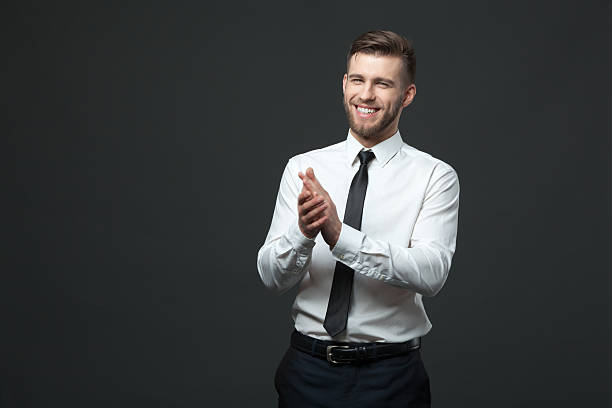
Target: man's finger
<point>304,196</point>
<point>305,180</point>
<point>310,174</point>
<point>302,176</point>
<point>309,183</point>
<point>310,187</point>
<point>314,213</point>
<point>315,201</point>
<point>309,204</point>
<point>318,223</point>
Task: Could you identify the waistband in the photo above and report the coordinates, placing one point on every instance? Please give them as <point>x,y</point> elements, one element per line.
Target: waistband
<point>351,353</point>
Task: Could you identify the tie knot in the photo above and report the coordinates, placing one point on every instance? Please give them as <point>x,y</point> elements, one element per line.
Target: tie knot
<point>365,156</point>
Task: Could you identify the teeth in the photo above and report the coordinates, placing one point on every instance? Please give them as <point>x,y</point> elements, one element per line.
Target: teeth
<point>365,110</point>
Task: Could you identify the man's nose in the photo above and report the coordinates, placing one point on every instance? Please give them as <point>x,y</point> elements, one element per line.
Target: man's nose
<point>367,92</point>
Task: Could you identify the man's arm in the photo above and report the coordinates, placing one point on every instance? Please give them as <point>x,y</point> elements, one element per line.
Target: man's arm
<point>286,254</point>
<point>424,265</point>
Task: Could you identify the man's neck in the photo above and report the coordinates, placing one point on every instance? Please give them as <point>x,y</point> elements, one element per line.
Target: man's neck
<point>372,141</point>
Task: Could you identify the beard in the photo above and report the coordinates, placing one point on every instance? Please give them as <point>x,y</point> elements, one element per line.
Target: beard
<point>373,131</point>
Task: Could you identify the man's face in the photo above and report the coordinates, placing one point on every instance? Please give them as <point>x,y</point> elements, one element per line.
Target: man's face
<point>374,96</point>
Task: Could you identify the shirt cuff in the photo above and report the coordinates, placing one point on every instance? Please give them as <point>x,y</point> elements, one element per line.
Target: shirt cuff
<point>298,240</point>
<point>349,242</point>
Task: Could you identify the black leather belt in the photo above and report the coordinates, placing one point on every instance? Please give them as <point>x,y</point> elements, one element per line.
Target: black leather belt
<point>351,353</point>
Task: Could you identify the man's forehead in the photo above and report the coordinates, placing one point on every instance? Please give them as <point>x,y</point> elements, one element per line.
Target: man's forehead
<point>358,62</point>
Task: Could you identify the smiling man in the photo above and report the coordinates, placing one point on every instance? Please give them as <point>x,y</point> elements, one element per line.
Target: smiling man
<point>366,227</point>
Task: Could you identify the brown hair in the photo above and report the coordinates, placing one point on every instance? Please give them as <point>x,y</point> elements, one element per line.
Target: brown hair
<point>386,43</point>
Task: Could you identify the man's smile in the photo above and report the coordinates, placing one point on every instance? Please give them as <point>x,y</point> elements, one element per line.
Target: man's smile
<point>366,112</point>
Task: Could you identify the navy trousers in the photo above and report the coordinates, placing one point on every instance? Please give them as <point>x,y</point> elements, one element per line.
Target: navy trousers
<point>302,380</point>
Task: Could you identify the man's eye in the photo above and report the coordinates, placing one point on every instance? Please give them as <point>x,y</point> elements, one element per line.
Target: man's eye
<point>383,84</point>
<point>357,81</point>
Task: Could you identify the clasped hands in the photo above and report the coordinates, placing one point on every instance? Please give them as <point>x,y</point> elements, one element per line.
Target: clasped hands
<point>316,210</point>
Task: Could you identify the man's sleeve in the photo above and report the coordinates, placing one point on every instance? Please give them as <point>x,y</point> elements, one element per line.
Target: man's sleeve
<point>424,265</point>
<point>286,253</point>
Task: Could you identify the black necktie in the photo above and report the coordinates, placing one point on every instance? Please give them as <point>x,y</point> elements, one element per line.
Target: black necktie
<point>342,285</point>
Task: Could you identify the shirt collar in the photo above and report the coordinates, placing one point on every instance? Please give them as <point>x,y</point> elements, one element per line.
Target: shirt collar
<point>383,151</point>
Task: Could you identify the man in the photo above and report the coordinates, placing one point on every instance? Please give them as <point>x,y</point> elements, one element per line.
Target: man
<point>359,313</point>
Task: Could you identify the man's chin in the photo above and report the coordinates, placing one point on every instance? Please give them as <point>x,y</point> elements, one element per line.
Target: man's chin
<point>366,135</point>
<point>362,128</point>
<point>365,132</point>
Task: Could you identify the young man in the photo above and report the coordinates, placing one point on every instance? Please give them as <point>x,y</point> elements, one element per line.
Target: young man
<point>359,313</point>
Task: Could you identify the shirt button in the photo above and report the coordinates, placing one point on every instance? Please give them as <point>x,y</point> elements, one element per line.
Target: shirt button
<point>341,256</point>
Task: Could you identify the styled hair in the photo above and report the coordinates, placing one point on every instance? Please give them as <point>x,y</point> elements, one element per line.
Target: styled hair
<point>386,43</point>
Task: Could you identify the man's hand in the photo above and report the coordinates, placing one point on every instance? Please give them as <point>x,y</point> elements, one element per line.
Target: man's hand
<point>311,216</point>
<point>330,228</point>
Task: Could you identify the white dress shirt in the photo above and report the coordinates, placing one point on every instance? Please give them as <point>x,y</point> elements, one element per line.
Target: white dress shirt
<point>403,251</point>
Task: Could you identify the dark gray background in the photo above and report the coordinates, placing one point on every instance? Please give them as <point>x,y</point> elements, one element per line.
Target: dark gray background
<point>145,148</point>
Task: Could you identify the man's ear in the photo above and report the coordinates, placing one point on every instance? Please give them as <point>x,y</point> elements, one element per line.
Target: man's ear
<point>344,84</point>
<point>409,95</point>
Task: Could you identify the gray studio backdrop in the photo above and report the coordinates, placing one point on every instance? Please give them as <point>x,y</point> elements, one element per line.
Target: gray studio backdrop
<point>146,144</point>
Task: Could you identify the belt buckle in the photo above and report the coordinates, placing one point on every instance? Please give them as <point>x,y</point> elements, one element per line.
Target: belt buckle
<point>330,358</point>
